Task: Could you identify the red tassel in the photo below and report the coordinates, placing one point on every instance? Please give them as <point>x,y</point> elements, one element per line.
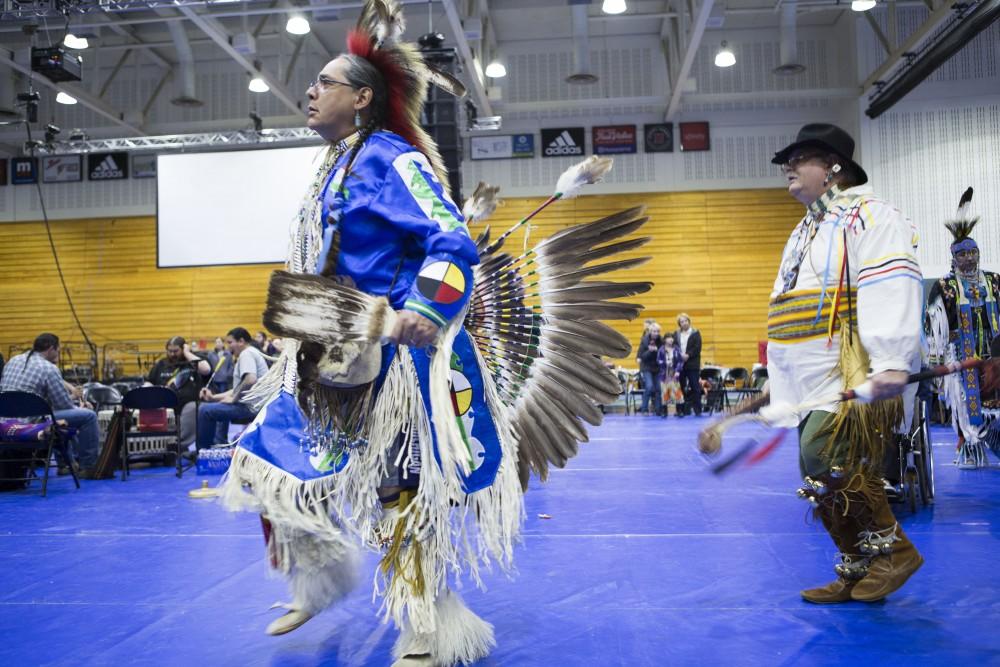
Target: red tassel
<point>767,449</point>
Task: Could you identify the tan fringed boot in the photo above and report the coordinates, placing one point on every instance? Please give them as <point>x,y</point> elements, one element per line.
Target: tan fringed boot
<point>894,559</point>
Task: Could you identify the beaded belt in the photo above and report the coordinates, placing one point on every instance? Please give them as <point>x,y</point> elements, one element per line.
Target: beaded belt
<point>792,317</point>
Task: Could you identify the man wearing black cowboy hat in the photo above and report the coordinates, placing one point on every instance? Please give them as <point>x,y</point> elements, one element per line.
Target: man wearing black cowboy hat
<point>845,311</point>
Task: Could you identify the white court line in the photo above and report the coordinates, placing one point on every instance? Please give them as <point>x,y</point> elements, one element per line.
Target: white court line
<point>525,535</point>
<point>254,536</point>
<point>556,536</point>
<point>641,439</point>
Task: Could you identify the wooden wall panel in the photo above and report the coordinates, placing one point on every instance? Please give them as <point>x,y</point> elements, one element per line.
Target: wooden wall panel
<point>714,256</point>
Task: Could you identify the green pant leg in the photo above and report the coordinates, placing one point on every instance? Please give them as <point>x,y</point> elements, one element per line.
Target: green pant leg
<point>813,440</point>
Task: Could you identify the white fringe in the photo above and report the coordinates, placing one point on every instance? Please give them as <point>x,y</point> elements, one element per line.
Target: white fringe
<point>455,531</point>
<point>500,507</point>
<point>973,449</point>
<point>452,449</point>
<point>253,484</point>
<point>461,636</point>
<point>357,495</point>
<point>282,374</point>
<point>427,520</point>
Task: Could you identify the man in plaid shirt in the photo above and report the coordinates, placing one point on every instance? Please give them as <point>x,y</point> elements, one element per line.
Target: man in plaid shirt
<point>35,371</point>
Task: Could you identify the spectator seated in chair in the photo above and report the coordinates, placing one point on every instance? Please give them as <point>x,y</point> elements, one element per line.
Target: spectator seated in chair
<point>185,373</point>
<point>36,372</point>
<point>217,410</point>
<point>221,362</point>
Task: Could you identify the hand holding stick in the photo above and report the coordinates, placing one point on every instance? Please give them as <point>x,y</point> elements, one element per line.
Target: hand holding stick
<point>710,438</point>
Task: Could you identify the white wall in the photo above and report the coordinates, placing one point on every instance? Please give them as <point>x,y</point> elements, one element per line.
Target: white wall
<point>752,112</point>
<point>940,139</point>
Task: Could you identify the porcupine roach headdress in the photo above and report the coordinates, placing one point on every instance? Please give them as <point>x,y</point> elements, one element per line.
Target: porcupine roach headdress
<point>961,227</point>
<point>377,39</point>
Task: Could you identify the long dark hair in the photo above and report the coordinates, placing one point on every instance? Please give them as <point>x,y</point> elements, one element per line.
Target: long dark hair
<point>43,343</point>
<point>362,74</point>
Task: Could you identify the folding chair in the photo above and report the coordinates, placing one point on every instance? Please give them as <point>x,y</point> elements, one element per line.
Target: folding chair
<point>716,391</point>
<point>737,378</point>
<point>137,442</point>
<point>101,396</point>
<point>26,405</point>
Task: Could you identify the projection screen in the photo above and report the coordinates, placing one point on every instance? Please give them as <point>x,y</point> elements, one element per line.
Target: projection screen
<point>230,207</point>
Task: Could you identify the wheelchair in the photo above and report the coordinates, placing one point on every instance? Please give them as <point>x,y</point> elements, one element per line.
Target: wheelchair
<point>909,467</point>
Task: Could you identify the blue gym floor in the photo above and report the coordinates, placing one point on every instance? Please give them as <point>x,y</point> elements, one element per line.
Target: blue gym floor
<point>646,560</point>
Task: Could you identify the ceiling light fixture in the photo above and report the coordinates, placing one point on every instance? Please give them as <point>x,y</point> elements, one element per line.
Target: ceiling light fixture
<point>862,5</point>
<point>613,6</point>
<point>63,98</point>
<point>257,85</point>
<point>297,25</point>
<point>725,57</point>
<point>496,70</point>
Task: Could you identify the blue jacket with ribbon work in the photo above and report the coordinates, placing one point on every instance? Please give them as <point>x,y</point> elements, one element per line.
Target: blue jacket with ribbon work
<point>401,234</point>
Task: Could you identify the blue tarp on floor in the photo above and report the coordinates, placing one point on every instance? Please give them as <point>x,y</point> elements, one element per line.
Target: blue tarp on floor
<point>646,560</point>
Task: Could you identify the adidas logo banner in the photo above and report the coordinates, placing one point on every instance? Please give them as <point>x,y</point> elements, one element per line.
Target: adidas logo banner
<point>107,166</point>
<point>563,141</point>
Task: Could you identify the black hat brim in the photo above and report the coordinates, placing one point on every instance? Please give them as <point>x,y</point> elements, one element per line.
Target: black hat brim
<point>781,157</point>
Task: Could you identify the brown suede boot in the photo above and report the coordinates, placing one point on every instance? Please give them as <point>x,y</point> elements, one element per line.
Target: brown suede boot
<point>894,558</point>
<point>843,532</point>
<point>850,571</point>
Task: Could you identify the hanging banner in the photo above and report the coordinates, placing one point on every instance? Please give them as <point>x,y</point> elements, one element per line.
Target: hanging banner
<point>500,147</point>
<point>144,166</point>
<point>523,145</point>
<point>491,148</point>
<point>695,137</point>
<point>659,137</point>
<point>62,169</point>
<point>107,166</point>
<point>614,139</point>
<point>23,170</point>
<point>563,141</point>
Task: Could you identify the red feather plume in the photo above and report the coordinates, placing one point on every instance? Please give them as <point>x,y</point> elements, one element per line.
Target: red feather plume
<point>361,44</point>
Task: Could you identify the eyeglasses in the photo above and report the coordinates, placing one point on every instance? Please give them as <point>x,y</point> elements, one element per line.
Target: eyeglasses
<point>794,161</point>
<point>322,82</point>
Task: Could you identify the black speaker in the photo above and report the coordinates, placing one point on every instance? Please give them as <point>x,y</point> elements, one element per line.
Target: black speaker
<point>440,118</point>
